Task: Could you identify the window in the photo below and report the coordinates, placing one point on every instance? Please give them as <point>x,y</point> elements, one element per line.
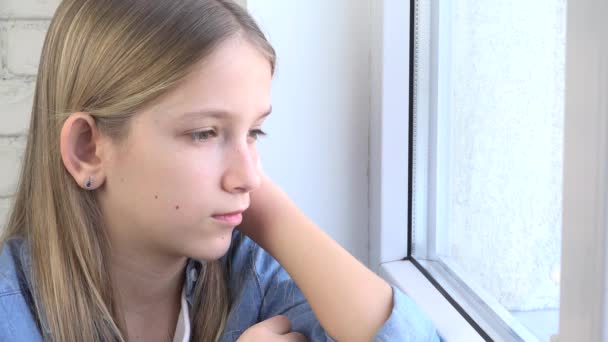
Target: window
<point>507,201</point>
<point>487,156</point>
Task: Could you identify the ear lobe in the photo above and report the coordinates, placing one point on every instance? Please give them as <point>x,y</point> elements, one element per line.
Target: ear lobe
<point>79,146</point>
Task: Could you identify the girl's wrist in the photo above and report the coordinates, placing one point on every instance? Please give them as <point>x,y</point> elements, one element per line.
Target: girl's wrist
<point>268,214</point>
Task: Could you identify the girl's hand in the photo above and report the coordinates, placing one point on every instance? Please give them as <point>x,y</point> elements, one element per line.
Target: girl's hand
<point>275,329</point>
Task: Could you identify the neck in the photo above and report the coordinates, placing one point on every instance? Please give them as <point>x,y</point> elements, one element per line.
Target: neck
<point>148,290</point>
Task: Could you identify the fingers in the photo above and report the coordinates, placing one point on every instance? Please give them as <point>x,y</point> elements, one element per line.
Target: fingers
<point>275,329</point>
<point>278,324</point>
<point>294,337</point>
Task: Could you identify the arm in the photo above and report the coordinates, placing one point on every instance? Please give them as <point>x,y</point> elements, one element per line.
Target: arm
<point>350,301</point>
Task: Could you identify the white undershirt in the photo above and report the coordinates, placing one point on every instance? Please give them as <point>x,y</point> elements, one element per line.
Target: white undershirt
<point>182,330</point>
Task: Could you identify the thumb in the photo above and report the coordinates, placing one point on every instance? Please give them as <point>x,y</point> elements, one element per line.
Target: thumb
<point>278,324</point>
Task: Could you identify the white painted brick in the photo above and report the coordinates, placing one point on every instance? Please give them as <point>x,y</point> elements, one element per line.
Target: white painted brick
<point>24,41</point>
<point>28,8</point>
<point>16,98</point>
<point>11,155</point>
<point>5,204</point>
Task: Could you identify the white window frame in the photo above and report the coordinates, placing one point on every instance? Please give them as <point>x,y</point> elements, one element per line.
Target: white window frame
<point>431,177</point>
<point>584,269</point>
<point>389,169</point>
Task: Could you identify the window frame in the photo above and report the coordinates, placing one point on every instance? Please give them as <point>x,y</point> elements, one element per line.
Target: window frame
<point>430,180</point>
<point>390,240</point>
<point>584,285</point>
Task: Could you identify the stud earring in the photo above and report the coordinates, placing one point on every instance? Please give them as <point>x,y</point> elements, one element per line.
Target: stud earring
<point>89,183</point>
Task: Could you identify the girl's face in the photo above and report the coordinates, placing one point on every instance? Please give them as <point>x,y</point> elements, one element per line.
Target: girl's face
<point>188,157</point>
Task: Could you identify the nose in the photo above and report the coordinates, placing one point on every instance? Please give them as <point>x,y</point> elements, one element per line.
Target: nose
<point>242,174</point>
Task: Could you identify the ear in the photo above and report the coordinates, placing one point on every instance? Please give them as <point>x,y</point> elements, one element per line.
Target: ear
<point>80,146</point>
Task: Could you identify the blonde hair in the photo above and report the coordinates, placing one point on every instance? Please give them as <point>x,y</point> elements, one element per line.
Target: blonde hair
<point>108,58</point>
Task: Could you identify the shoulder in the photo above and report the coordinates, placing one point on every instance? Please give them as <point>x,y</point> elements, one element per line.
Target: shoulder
<point>241,248</point>
<point>250,269</point>
<point>246,255</point>
<point>16,319</point>
<point>12,266</point>
<point>251,273</point>
<point>253,267</point>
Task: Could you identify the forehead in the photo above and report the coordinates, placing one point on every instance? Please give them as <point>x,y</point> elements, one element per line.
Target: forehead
<point>235,79</point>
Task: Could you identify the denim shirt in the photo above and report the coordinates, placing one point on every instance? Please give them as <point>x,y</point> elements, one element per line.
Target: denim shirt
<point>259,289</point>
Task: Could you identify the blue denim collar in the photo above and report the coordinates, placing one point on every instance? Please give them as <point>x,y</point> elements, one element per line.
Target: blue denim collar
<point>193,271</point>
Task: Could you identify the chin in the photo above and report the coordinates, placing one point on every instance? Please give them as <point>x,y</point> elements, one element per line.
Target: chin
<point>210,250</point>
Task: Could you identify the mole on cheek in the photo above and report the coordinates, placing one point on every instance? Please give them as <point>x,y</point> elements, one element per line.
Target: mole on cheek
<point>177,207</point>
<point>155,196</point>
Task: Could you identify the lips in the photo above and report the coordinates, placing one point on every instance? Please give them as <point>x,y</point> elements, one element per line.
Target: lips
<point>233,218</point>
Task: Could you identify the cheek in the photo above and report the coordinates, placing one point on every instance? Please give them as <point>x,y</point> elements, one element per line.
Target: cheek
<point>193,170</point>
<point>169,175</point>
<point>167,181</point>
<point>187,183</point>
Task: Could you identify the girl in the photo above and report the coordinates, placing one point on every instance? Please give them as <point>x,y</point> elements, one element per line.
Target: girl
<point>141,160</point>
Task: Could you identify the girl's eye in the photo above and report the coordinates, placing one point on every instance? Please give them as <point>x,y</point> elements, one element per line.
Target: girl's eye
<point>256,134</point>
<point>203,135</point>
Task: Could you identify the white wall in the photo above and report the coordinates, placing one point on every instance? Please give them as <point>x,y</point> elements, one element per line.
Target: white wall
<point>318,144</point>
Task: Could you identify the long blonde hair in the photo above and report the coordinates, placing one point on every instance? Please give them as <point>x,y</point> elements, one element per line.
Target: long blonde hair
<point>108,58</point>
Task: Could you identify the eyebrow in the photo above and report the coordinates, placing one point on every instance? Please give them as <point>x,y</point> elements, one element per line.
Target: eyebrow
<point>219,114</point>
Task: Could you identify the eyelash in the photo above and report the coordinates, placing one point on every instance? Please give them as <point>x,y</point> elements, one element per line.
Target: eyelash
<point>257,133</point>
<point>206,135</point>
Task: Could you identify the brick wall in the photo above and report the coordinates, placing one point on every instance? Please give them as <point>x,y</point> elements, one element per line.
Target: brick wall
<point>23,24</point>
